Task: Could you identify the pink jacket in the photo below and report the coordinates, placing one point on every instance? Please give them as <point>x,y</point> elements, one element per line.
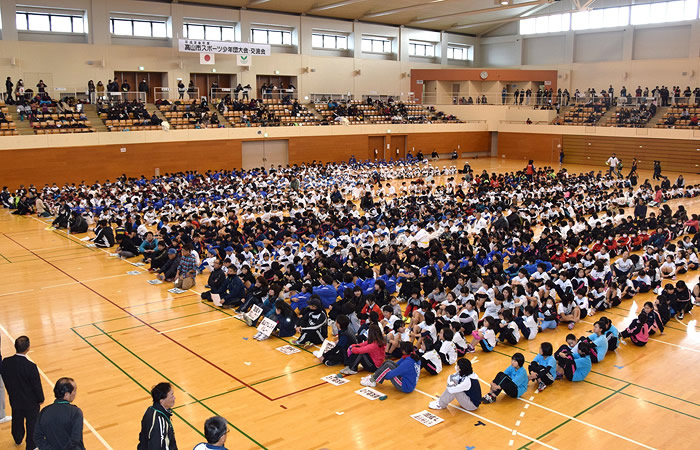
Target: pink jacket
<point>375,351</point>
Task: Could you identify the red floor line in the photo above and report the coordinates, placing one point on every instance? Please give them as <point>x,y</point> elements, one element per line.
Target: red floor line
<point>174,341</point>
<point>300,390</point>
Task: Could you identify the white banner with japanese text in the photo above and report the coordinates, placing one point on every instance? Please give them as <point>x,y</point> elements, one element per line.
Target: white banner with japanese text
<point>223,48</point>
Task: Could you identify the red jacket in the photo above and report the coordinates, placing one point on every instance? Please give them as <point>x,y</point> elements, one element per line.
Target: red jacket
<point>374,350</point>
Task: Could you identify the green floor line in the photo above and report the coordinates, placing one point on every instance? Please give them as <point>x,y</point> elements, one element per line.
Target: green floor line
<point>3,257</point>
<point>626,394</point>
<point>161,321</point>
<point>576,416</point>
<point>273,336</point>
<point>624,381</point>
<point>133,379</point>
<point>177,386</point>
<point>627,315</point>
<point>252,384</point>
<point>660,405</point>
<point>132,316</point>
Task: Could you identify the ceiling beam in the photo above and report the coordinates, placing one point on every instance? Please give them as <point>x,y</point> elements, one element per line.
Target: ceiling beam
<point>339,4</point>
<point>389,12</point>
<point>256,2</point>
<point>479,11</point>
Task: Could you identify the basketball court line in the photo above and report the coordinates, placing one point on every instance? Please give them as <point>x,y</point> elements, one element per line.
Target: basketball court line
<point>51,383</point>
<point>663,342</point>
<point>484,419</point>
<point>196,325</point>
<point>174,341</point>
<point>630,395</point>
<point>167,379</point>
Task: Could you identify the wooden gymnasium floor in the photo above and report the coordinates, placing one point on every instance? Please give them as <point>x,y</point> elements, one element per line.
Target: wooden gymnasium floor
<point>118,336</point>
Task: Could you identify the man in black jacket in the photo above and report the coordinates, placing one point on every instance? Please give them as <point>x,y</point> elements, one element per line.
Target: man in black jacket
<point>216,283</point>
<point>156,427</point>
<point>60,425</point>
<point>21,377</point>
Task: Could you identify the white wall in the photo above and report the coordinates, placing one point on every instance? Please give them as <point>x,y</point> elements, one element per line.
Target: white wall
<point>648,55</point>
<point>71,60</point>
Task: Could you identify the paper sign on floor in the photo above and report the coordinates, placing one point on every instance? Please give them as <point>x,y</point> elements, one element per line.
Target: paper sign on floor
<point>427,418</point>
<point>288,350</point>
<point>134,272</point>
<point>156,281</point>
<point>335,380</point>
<point>369,393</point>
<point>176,291</point>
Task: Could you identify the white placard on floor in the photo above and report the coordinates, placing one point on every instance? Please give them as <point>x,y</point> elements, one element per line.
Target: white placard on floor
<point>288,349</point>
<point>427,418</point>
<point>335,380</point>
<point>369,393</point>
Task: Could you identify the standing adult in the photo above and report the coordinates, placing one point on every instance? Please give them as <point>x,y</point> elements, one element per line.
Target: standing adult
<point>612,163</point>
<point>60,425</point>
<point>21,377</point>
<point>8,88</point>
<point>156,428</point>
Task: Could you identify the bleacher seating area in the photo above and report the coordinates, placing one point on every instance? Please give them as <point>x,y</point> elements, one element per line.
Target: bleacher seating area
<point>127,116</point>
<point>53,122</point>
<point>675,118</point>
<point>356,112</point>
<point>634,117</point>
<point>7,124</point>
<point>583,114</point>
<point>266,112</point>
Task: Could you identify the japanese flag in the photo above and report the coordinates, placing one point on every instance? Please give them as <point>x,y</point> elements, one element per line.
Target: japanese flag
<point>206,58</point>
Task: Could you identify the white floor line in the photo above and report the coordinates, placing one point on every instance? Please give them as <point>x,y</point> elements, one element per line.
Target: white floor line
<point>196,324</point>
<point>664,342</point>
<point>676,345</point>
<point>574,419</point>
<point>51,383</point>
<point>16,292</point>
<point>484,419</point>
<point>84,281</point>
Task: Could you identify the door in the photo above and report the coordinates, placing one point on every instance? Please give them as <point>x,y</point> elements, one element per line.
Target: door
<point>276,153</point>
<point>398,148</point>
<point>264,153</point>
<point>153,79</point>
<point>277,80</point>
<point>203,81</point>
<point>375,147</point>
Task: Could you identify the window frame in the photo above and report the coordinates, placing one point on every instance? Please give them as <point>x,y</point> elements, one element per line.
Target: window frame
<point>424,46</point>
<point>150,21</point>
<point>267,31</point>
<point>386,41</point>
<point>326,35</point>
<point>466,50</point>
<point>228,28</point>
<point>73,16</point>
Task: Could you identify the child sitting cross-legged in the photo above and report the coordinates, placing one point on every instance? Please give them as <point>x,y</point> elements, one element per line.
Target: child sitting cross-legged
<point>403,375</point>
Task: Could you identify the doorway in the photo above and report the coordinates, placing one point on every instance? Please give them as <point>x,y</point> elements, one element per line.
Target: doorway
<point>264,153</point>
<point>397,149</point>
<point>277,80</point>
<point>375,147</point>
<point>153,79</point>
<point>203,82</point>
